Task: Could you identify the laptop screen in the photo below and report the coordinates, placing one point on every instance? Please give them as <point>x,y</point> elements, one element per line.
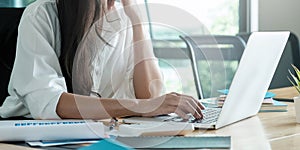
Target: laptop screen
<point>253,76</point>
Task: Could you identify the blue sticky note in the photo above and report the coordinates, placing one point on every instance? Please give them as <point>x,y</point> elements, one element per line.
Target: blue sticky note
<point>107,144</point>
<point>224,91</point>
<point>268,94</point>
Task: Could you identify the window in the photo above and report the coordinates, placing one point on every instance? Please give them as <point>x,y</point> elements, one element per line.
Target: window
<point>15,3</point>
<point>171,18</point>
<point>214,16</point>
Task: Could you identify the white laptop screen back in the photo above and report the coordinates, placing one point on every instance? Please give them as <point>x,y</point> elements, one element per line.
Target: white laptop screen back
<point>253,76</point>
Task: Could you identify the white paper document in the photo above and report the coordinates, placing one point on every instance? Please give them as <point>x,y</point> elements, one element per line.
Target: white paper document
<point>153,129</point>
<point>36,130</point>
<point>58,143</point>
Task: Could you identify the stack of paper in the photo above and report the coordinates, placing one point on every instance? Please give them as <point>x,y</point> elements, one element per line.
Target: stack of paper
<point>275,106</point>
<point>153,129</point>
<point>268,104</point>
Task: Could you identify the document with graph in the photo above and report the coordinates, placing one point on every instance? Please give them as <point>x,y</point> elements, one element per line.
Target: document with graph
<point>35,130</point>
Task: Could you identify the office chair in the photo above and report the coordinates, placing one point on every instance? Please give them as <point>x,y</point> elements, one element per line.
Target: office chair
<point>10,18</point>
<point>291,55</point>
<point>214,61</point>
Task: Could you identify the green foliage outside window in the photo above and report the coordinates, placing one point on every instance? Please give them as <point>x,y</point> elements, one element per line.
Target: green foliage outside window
<point>224,21</point>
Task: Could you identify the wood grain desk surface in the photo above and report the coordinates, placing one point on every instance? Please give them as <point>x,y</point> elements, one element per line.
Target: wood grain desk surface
<point>268,130</point>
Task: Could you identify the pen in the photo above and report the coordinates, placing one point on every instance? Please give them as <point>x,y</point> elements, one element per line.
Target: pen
<point>113,123</point>
<point>96,93</point>
<point>284,99</point>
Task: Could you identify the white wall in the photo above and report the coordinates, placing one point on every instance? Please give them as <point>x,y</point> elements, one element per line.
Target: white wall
<point>279,15</point>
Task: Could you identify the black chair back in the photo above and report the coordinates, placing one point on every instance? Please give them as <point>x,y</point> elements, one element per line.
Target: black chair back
<point>8,38</point>
<point>214,61</point>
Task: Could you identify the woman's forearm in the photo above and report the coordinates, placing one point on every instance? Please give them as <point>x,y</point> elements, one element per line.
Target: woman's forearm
<point>85,107</point>
<point>72,106</point>
<point>147,79</point>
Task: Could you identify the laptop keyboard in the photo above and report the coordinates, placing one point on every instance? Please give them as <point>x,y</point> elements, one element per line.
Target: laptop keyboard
<point>210,115</point>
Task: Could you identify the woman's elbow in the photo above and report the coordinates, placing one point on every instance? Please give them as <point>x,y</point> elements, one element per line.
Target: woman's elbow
<point>153,89</point>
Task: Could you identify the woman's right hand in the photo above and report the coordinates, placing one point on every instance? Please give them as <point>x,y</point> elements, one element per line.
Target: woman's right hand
<point>180,104</point>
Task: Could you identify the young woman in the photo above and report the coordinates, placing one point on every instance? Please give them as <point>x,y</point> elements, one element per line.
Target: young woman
<point>87,59</point>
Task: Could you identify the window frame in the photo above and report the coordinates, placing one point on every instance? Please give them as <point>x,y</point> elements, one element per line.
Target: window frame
<point>248,16</point>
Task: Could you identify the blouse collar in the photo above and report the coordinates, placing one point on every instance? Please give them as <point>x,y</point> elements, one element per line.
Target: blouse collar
<point>109,25</point>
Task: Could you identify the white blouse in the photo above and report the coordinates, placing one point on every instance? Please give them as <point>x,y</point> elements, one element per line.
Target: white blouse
<point>37,81</point>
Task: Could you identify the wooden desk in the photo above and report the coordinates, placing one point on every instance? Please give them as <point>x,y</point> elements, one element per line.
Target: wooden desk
<point>13,147</point>
<point>268,130</point>
<point>272,130</point>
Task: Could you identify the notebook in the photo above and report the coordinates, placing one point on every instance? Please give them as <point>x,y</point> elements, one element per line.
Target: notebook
<point>177,142</point>
<point>249,86</point>
<point>149,129</point>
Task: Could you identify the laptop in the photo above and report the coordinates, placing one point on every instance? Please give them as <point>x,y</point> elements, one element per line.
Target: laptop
<point>249,85</point>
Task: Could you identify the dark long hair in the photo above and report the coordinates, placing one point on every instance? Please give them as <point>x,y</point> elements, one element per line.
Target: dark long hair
<point>75,18</point>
